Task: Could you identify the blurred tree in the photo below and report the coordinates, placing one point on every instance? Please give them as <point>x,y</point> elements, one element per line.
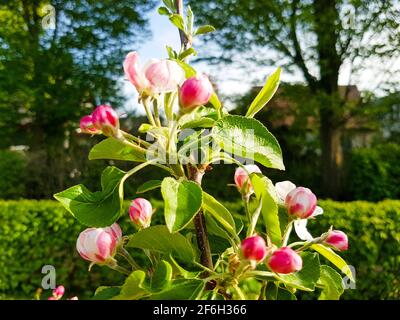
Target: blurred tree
<point>317,38</point>
<point>58,59</point>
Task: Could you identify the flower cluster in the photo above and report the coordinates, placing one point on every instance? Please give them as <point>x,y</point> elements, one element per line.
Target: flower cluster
<point>300,204</point>
<point>175,97</point>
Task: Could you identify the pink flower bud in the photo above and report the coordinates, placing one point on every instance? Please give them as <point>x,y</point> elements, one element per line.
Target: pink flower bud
<point>195,91</point>
<point>59,292</point>
<point>157,76</point>
<point>338,240</point>
<point>51,298</point>
<point>242,178</point>
<point>140,212</point>
<point>254,248</point>
<point>99,244</point>
<point>86,125</point>
<point>134,73</point>
<point>285,260</point>
<point>301,202</point>
<point>106,119</point>
<point>164,75</point>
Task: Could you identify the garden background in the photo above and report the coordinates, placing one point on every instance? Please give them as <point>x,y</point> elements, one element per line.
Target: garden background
<point>336,116</point>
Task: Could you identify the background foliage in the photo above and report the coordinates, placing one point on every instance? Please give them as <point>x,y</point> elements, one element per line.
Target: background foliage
<point>36,233</point>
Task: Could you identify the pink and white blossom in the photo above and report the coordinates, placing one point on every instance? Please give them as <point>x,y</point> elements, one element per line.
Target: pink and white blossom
<point>254,248</point>
<point>301,202</point>
<point>285,260</point>
<point>157,76</point>
<point>106,120</point>
<point>338,240</point>
<point>99,245</point>
<point>86,125</point>
<point>195,91</point>
<point>140,212</point>
<point>242,179</point>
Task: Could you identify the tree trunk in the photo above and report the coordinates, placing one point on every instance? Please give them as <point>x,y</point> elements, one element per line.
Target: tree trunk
<point>325,24</point>
<point>331,158</point>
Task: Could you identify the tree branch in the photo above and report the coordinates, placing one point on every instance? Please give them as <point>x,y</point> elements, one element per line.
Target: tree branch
<point>298,58</point>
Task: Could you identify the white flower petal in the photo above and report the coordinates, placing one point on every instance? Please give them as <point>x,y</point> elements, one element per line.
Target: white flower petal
<point>318,211</point>
<point>283,188</point>
<point>300,226</point>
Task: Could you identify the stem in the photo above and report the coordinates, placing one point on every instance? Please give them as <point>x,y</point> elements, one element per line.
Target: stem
<point>286,235</point>
<point>196,175</point>
<point>123,252</point>
<point>120,269</point>
<point>156,113</point>
<point>184,40</point>
<point>135,139</point>
<point>245,199</point>
<point>200,226</point>
<point>254,219</point>
<point>148,111</point>
<point>239,292</point>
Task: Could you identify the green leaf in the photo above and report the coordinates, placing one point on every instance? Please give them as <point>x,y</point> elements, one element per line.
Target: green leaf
<point>284,294</point>
<point>177,21</point>
<point>199,123</point>
<point>162,276</point>
<point>332,283</point>
<point>182,201</point>
<point>204,29</point>
<point>214,100</point>
<point>145,127</point>
<point>169,4</point>
<point>334,258</point>
<point>271,291</point>
<point>266,93</point>
<point>106,293</point>
<point>265,192</point>
<point>163,11</point>
<point>307,277</point>
<point>181,289</point>
<point>113,149</point>
<point>133,287</point>
<point>248,138</point>
<point>159,239</point>
<point>187,52</point>
<point>95,209</point>
<point>149,185</point>
<point>189,19</point>
<point>188,69</point>
<point>214,228</point>
<point>219,213</point>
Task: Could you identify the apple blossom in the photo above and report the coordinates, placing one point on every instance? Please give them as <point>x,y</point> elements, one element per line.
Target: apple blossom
<point>301,202</point>
<point>140,212</point>
<point>285,260</point>
<point>338,240</point>
<point>106,119</point>
<point>99,245</point>
<point>242,179</point>
<point>86,125</point>
<point>254,248</point>
<point>195,91</point>
<point>59,292</point>
<point>156,77</point>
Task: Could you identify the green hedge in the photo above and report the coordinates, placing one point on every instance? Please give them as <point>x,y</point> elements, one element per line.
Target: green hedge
<point>374,173</point>
<point>37,233</point>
